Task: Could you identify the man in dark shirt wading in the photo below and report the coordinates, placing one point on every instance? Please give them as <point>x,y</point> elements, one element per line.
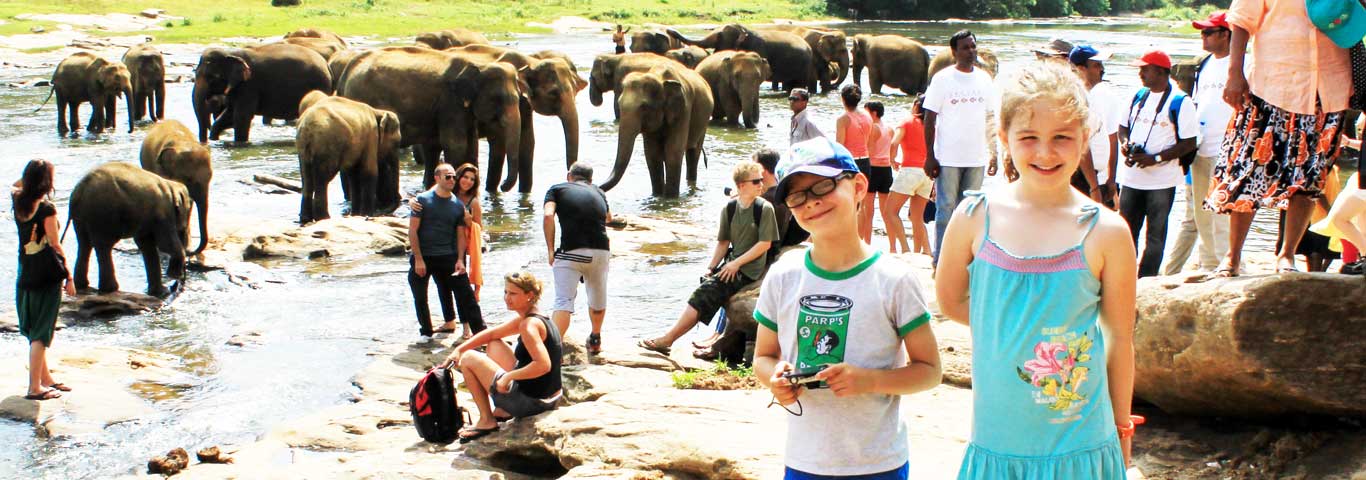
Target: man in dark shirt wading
<point>583,251</point>
<point>437,235</point>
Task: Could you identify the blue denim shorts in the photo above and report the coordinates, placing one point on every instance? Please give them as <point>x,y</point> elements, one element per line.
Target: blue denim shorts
<point>899,473</point>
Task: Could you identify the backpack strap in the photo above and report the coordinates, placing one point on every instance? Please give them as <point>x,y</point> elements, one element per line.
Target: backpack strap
<point>731,207</point>
<point>1199,67</point>
<point>758,211</point>
<point>1174,112</point>
<point>1140,98</point>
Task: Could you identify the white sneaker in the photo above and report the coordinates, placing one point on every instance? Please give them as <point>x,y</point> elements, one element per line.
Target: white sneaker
<point>424,338</point>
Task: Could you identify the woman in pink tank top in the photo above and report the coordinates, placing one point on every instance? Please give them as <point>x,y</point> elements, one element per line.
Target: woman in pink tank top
<point>880,137</point>
<point>851,130</point>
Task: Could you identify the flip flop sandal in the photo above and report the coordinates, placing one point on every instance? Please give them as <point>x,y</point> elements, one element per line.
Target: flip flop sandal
<point>444,330</point>
<point>60,387</point>
<point>704,354</point>
<point>48,394</point>
<point>650,345</point>
<point>1224,272</point>
<point>471,434</point>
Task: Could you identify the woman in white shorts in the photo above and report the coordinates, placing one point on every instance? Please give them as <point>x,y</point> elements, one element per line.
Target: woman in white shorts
<point>911,183</point>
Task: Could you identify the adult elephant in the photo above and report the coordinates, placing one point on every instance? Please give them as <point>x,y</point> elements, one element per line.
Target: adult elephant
<point>892,60</point>
<point>267,80</point>
<point>170,150</point>
<point>455,37</point>
<point>689,56</point>
<point>556,54</point>
<point>310,32</point>
<point>830,51</point>
<point>552,85</point>
<point>653,41</point>
<point>361,142</point>
<point>147,73</point>
<point>734,78</point>
<point>610,70</point>
<point>118,200</point>
<point>986,60</point>
<point>788,54</point>
<point>84,77</point>
<point>337,63</point>
<point>669,105</point>
<point>444,102</point>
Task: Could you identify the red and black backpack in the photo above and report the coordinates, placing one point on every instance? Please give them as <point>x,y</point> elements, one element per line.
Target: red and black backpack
<point>432,402</point>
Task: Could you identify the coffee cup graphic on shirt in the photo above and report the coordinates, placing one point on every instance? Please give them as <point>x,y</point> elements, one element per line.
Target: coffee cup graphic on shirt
<point>822,329</point>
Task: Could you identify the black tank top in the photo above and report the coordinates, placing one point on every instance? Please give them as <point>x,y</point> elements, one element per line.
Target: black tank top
<point>544,386</point>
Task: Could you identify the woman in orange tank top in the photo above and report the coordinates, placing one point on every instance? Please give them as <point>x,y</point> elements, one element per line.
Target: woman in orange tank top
<point>851,130</point>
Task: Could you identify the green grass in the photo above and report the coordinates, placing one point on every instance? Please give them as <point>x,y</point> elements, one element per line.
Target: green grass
<point>209,20</point>
<point>719,377</point>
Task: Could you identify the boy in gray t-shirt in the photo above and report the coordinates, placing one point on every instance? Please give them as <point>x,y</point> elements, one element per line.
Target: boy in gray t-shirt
<point>843,308</point>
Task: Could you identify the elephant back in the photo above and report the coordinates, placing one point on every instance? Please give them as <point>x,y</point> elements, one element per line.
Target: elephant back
<point>282,74</point>
<point>119,195</point>
<point>409,81</point>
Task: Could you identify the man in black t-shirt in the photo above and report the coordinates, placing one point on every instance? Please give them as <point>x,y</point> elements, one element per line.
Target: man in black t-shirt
<point>583,251</point>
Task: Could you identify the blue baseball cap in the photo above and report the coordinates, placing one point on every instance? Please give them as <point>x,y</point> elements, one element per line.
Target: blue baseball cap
<point>1343,21</point>
<point>817,156</point>
<point>1081,53</point>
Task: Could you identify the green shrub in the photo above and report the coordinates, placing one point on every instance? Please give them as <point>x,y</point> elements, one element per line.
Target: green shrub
<point>218,18</point>
<point>185,22</point>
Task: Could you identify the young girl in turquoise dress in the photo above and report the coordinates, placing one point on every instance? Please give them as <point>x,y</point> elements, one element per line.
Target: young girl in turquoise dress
<point>1045,279</point>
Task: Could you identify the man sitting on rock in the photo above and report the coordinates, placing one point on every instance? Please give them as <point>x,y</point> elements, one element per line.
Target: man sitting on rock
<point>748,227</point>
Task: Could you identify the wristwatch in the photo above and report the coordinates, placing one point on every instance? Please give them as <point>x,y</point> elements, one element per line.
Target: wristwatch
<point>1158,158</point>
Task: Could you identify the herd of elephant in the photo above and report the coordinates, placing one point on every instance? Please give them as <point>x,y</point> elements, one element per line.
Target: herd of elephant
<point>357,108</point>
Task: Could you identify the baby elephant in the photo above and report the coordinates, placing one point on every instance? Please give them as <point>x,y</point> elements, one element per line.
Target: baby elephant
<point>341,135</point>
<point>119,200</point>
<point>85,77</point>
<point>171,150</point>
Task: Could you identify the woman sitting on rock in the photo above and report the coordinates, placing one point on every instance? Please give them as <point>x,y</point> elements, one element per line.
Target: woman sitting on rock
<point>521,382</point>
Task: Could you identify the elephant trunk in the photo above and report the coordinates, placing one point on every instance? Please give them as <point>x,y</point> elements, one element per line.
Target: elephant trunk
<point>594,93</point>
<point>842,63</point>
<point>128,100</point>
<point>626,144</point>
<point>569,119</point>
<point>750,108</point>
<point>512,139</point>
<point>202,114</point>
<point>202,200</point>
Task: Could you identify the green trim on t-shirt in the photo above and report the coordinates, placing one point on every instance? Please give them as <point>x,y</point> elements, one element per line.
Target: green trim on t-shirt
<point>759,317</point>
<point>845,275</point>
<point>914,324</point>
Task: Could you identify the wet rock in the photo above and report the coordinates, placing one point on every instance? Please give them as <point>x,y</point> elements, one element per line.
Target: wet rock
<point>152,12</point>
<point>250,275</point>
<point>10,324</point>
<point>113,304</point>
<point>170,464</point>
<point>624,352</point>
<point>212,455</point>
<point>284,3</point>
<point>345,236</point>
<point>100,378</point>
<point>1252,346</point>
<point>244,339</point>
<point>659,239</point>
<point>37,29</point>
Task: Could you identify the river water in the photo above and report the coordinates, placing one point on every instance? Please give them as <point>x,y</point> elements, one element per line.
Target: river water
<point>316,328</point>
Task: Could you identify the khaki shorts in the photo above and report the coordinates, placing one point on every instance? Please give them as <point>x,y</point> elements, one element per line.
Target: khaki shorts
<point>912,181</point>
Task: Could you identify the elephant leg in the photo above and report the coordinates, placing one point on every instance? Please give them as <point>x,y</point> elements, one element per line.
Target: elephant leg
<point>320,182</point>
<point>527,151</point>
<point>241,122</point>
<point>73,112</point>
<point>109,112</point>
<point>151,263</point>
<point>431,157</point>
<point>363,203</point>
<point>674,151</point>
<point>221,123</point>
<point>693,155</point>
<point>81,276</point>
<point>104,254</point>
<point>875,81</point>
<point>161,101</point>
<point>616,106</point>
<point>61,117</point>
<point>96,122</point>
<point>347,186</point>
<point>169,240</point>
<point>654,161</point>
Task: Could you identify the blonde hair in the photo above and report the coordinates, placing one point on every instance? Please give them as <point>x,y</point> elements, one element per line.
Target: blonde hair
<point>1043,81</point>
<point>746,170</point>
<point>527,282</point>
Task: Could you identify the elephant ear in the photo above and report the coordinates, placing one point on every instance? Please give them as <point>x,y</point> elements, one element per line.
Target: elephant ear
<point>386,124</point>
<point>464,84</point>
<point>675,105</point>
<point>765,69</point>
<point>740,39</point>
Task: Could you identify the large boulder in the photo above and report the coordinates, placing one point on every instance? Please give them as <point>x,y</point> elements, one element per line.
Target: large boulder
<point>1253,346</point>
<point>345,236</point>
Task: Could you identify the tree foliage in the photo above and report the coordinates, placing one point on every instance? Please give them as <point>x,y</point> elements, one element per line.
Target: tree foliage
<point>931,9</point>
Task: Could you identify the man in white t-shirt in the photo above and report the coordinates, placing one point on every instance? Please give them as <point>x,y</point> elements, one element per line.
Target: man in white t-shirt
<point>958,106</point>
<point>1207,92</point>
<point>1154,135</point>
<point>1106,115</point>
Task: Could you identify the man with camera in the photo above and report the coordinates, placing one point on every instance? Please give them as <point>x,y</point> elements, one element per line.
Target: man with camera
<point>742,243</point>
<point>1158,131</point>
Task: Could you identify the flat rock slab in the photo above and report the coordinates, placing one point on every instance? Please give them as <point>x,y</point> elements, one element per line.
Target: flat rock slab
<point>345,236</point>
<point>586,383</point>
<point>100,378</point>
<point>1253,346</point>
<point>624,352</point>
<point>109,305</point>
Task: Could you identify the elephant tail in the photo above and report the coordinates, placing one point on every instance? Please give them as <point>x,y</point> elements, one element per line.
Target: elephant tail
<point>62,238</point>
<point>50,91</point>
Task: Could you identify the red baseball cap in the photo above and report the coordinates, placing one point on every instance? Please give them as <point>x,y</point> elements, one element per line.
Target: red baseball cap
<point>1215,20</point>
<point>1155,57</point>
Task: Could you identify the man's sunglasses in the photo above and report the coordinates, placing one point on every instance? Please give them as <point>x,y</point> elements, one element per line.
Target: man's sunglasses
<point>448,176</point>
<point>1211,31</point>
<point>756,181</point>
<point>816,190</point>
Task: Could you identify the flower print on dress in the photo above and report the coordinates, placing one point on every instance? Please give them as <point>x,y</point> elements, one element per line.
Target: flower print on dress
<point>1059,379</point>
